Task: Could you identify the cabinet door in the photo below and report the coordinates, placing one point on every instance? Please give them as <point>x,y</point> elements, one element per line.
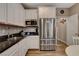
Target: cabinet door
<point>47,12</point>
<point>3,12</point>
<point>22,16</point>
<point>11,13</point>
<point>14,53</point>
<point>31,14</point>
<point>27,42</point>
<point>33,42</point>
<point>22,47</point>
<point>16,14</point>
<point>25,48</point>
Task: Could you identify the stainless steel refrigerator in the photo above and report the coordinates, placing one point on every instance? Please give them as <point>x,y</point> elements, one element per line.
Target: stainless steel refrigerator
<point>47,34</point>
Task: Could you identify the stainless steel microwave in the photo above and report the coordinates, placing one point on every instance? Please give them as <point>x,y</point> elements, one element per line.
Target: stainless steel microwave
<point>32,22</point>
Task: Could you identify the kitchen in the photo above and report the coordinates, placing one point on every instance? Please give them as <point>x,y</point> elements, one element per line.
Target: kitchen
<point>34,26</point>
<point>12,23</point>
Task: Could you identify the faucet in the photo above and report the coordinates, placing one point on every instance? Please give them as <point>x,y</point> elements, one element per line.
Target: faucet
<point>8,36</point>
<point>12,35</point>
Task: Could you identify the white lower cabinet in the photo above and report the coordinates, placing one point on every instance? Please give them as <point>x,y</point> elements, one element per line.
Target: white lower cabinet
<point>33,42</point>
<point>14,53</point>
<point>21,48</point>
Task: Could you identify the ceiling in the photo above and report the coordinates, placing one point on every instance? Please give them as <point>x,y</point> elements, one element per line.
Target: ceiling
<point>57,5</point>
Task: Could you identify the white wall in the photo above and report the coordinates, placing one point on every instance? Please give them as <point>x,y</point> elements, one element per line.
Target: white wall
<point>61,31</point>
<point>72,28</point>
<point>67,30</point>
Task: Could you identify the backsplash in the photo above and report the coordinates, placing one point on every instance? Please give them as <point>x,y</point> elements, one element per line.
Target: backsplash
<point>13,30</point>
<point>29,29</point>
<point>5,30</point>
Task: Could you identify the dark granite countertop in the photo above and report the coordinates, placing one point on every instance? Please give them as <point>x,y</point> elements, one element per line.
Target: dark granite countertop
<point>9,42</point>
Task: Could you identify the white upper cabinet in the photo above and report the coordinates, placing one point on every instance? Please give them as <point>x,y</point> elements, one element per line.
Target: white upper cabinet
<point>47,12</point>
<point>16,14</point>
<point>11,13</point>
<point>21,15</point>
<point>3,12</point>
<point>23,48</point>
<point>31,14</point>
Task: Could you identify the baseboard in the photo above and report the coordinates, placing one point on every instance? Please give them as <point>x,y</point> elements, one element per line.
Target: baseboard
<point>33,49</point>
<point>26,53</point>
<point>30,50</point>
<point>63,42</point>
